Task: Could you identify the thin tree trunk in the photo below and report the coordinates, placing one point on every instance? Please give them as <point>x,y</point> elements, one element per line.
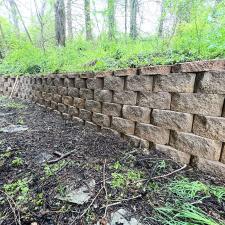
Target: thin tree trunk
<point>125,8</point>
<point>14,16</point>
<point>39,16</point>
<point>24,26</point>
<point>60,23</point>
<point>133,18</point>
<point>69,19</point>
<point>111,19</point>
<point>162,19</point>
<point>87,10</point>
<point>3,40</point>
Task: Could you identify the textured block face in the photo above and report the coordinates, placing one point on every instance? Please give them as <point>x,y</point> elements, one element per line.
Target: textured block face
<point>69,82</point>
<point>93,106</point>
<point>77,121</point>
<point>139,83</point>
<point>73,111</point>
<point>212,167</point>
<point>63,90</point>
<point>172,120</point>
<point>86,93</point>
<point>94,83</point>
<point>73,92</point>
<point>154,70</point>
<point>223,154</point>
<point>152,133</point>
<point>210,127</point>
<point>108,131</point>
<point>125,97</point>
<point>80,83</point>
<point>122,125</point>
<point>101,119</point>
<point>160,100</point>
<point>67,100</point>
<point>114,83</point>
<point>178,156</point>
<point>111,109</point>
<point>62,108</point>
<point>79,102</point>
<point>58,81</point>
<point>212,82</point>
<point>196,145</point>
<point>183,82</point>
<point>196,103</point>
<point>85,114</point>
<point>125,72</point>
<point>136,113</point>
<point>91,125</point>
<point>103,95</point>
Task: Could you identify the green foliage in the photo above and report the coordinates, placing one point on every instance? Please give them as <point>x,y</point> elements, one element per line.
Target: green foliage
<point>18,190</point>
<point>50,170</point>
<point>17,162</point>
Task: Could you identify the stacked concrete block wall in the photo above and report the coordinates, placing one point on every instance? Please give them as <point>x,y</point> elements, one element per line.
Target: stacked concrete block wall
<point>177,109</point>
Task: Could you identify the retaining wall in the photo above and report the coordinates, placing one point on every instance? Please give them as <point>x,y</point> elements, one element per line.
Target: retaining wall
<point>176,109</point>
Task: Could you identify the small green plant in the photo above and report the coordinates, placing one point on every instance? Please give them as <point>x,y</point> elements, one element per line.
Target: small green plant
<point>117,165</point>
<point>50,170</point>
<point>20,121</point>
<point>18,190</point>
<point>6,155</point>
<point>118,180</point>
<point>17,162</point>
<point>14,105</point>
<point>134,175</point>
<point>39,199</point>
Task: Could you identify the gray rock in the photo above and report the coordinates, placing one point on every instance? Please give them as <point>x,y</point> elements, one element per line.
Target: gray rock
<point>79,195</point>
<point>43,157</point>
<point>122,217</point>
<point>13,129</point>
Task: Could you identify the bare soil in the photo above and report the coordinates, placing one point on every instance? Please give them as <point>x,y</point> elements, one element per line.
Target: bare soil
<point>97,157</point>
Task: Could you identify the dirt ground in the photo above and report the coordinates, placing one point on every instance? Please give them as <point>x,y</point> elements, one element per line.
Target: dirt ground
<point>124,177</point>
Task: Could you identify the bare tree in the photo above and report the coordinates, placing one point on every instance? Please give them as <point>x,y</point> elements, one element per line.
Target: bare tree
<point>69,19</point>
<point>111,19</point>
<point>14,16</point>
<point>162,18</point>
<point>133,18</point>
<point>88,27</point>
<point>60,23</point>
<point>40,15</point>
<point>125,16</point>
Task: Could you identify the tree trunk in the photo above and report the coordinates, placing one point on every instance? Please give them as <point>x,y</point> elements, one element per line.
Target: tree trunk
<point>111,19</point>
<point>162,19</point>
<point>60,23</point>
<point>87,10</point>
<point>133,18</point>
<point>69,19</point>
<point>125,19</point>
<point>14,16</point>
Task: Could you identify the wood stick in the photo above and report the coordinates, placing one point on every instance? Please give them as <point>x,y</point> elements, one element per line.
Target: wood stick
<point>14,86</point>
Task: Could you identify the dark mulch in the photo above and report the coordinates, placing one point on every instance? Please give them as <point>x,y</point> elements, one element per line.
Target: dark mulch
<point>48,133</point>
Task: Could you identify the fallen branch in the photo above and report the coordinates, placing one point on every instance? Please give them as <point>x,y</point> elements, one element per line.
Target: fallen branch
<point>120,202</point>
<point>61,156</point>
<point>14,86</point>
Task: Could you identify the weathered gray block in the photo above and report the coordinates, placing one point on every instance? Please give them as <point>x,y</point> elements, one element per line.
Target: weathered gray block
<point>93,106</point>
<point>172,120</point>
<point>73,92</point>
<point>103,95</point>
<point>101,119</point>
<point>152,133</point>
<point>94,83</point>
<point>182,82</point>
<point>79,102</point>
<point>197,103</point>
<point>210,127</point>
<point>125,97</point>
<point>212,82</point>
<point>122,125</point>
<point>85,114</point>
<point>86,93</point>
<point>139,83</point>
<point>136,113</point>
<point>160,100</point>
<point>111,109</point>
<point>114,83</point>
<point>67,100</point>
<point>196,145</point>
<point>73,111</point>
<point>177,156</point>
<point>80,83</point>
